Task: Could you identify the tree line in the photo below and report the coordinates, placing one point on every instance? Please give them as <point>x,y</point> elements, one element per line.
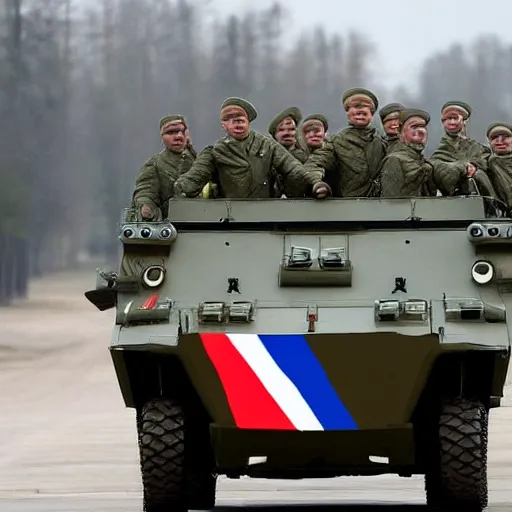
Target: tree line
<point>82,91</point>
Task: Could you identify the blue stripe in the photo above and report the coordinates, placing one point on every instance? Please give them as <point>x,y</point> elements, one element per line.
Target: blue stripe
<point>293,355</point>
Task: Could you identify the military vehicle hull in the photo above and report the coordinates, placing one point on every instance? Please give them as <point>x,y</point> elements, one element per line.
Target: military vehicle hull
<point>294,339</point>
<point>298,406</point>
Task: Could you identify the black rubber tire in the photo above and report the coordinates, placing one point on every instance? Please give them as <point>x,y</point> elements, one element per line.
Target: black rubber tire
<point>162,455</point>
<point>199,466</point>
<point>457,477</point>
<point>201,490</point>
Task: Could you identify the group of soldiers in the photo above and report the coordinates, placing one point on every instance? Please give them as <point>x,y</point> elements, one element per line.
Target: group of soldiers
<point>298,159</point>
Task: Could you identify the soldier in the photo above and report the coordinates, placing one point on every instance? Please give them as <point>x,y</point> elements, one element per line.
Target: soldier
<point>155,182</point>
<point>314,128</point>
<point>351,160</point>
<point>283,129</point>
<point>389,118</point>
<point>499,167</point>
<point>455,145</point>
<point>406,172</point>
<point>241,162</point>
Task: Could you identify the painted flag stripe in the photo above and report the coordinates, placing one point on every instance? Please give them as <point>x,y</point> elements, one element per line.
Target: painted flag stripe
<point>294,356</point>
<point>282,389</point>
<point>251,404</point>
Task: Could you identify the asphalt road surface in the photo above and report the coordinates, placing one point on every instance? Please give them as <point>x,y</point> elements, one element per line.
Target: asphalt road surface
<point>67,443</point>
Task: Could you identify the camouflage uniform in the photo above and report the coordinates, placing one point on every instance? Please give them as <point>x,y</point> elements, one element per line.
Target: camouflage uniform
<point>155,182</point>
<point>499,167</point>
<point>351,160</point>
<point>386,113</point>
<point>296,150</point>
<point>407,173</point>
<point>242,168</point>
<point>458,147</point>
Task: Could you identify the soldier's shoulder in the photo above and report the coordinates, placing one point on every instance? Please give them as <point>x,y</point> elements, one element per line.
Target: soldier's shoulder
<point>219,142</point>
<point>492,159</point>
<point>263,138</point>
<point>207,149</point>
<point>149,163</point>
<point>152,159</point>
<point>397,155</point>
<point>340,134</point>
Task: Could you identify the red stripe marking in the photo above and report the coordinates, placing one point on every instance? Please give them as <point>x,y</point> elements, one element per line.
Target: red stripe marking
<point>251,404</point>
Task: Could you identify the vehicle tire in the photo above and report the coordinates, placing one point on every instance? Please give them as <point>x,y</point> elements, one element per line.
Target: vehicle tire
<point>162,455</point>
<point>199,465</point>
<point>201,490</point>
<point>457,476</point>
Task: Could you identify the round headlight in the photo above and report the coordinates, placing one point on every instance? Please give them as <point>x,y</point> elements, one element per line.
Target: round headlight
<point>476,231</point>
<point>493,231</point>
<point>153,276</point>
<point>165,233</point>
<point>482,272</point>
<point>145,232</point>
<point>128,233</point>
<point>168,233</point>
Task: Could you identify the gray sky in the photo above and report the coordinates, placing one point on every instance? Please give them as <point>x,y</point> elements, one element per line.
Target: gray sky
<point>401,27</point>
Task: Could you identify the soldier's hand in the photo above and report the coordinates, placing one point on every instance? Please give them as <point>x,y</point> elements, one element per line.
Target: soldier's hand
<point>470,170</point>
<point>146,212</point>
<point>321,190</point>
<point>178,190</point>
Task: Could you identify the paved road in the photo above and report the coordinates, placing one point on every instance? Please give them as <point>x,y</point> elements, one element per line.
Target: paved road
<point>68,444</point>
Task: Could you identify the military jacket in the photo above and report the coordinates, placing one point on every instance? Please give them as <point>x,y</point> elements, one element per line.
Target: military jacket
<point>245,169</point>
<point>499,171</point>
<point>351,160</point>
<point>406,172</point>
<point>155,182</point>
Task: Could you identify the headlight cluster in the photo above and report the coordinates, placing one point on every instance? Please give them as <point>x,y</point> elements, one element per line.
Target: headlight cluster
<point>162,233</point>
<point>146,232</point>
<point>484,232</point>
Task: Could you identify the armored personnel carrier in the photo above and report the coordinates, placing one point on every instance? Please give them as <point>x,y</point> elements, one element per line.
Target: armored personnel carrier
<point>312,339</point>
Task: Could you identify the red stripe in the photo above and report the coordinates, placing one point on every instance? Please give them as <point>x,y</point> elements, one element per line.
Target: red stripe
<point>251,404</point>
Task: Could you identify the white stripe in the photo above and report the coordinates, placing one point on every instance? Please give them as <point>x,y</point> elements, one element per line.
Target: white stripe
<point>275,381</point>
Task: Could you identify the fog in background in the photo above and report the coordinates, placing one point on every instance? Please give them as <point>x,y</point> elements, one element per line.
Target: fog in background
<point>83,85</point>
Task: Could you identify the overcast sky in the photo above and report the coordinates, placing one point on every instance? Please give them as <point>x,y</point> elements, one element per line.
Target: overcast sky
<point>403,30</point>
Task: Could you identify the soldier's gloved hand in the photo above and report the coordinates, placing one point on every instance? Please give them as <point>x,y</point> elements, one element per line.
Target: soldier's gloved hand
<point>178,190</point>
<point>146,212</point>
<point>321,190</point>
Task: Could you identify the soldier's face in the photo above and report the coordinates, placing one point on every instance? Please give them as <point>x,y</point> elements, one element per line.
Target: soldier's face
<point>236,125</point>
<point>286,132</point>
<point>453,122</point>
<point>501,143</point>
<point>414,132</point>
<point>175,138</point>
<point>391,126</point>
<point>359,116</point>
<point>314,134</point>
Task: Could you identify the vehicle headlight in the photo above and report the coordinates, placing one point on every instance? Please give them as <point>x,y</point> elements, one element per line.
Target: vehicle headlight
<point>482,272</point>
<point>493,231</point>
<point>145,232</point>
<point>153,276</point>
<point>476,230</point>
<point>168,233</point>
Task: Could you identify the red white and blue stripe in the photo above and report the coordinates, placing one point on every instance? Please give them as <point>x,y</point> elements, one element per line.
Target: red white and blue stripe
<point>275,382</point>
